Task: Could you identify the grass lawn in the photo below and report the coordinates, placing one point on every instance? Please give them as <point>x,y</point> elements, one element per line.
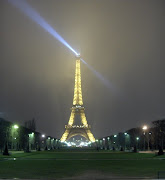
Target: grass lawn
<point>52,164</point>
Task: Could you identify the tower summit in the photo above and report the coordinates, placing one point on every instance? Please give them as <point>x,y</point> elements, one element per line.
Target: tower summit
<point>77,98</point>
<point>77,109</point>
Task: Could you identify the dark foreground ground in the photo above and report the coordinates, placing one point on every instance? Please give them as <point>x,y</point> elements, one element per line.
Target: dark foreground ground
<point>80,165</point>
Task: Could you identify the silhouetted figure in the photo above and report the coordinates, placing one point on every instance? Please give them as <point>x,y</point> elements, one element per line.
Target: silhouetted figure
<point>6,153</point>
<point>121,149</point>
<point>160,151</point>
<point>113,148</point>
<point>27,150</point>
<point>39,149</point>
<point>134,149</point>
<point>46,148</point>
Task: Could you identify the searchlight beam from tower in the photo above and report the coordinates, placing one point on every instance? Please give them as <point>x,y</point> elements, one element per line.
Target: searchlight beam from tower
<point>26,9</point>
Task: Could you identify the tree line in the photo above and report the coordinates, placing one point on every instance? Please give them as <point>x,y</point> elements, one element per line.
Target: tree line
<point>152,138</point>
<point>16,137</point>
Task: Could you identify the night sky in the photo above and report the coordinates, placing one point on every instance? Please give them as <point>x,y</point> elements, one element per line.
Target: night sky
<point>123,40</point>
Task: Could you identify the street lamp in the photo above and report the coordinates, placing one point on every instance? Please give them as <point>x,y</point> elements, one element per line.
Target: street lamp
<point>43,135</point>
<point>137,138</point>
<point>149,139</point>
<point>127,141</point>
<point>97,146</point>
<point>31,140</point>
<point>125,134</point>
<point>108,142</point>
<point>16,126</point>
<point>43,142</point>
<point>145,129</point>
<point>115,144</point>
<point>56,143</point>
<point>14,134</point>
<point>104,143</point>
<point>48,143</point>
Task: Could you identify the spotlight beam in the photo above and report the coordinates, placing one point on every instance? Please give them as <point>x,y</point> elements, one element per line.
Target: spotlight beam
<point>26,9</point>
<point>99,76</point>
<point>30,12</point>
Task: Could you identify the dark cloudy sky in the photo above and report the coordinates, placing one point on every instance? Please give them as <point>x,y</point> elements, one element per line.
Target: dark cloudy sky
<point>124,40</point>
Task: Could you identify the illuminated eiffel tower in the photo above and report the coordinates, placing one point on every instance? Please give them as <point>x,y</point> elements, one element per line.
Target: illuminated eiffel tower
<point>77,110</point>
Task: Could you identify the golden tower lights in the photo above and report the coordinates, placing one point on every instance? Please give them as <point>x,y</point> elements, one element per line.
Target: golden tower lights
<point>77,109</point>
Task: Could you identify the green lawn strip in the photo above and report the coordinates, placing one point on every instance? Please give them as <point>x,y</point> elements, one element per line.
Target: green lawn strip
<point>66,168</point>
<point>80,155</point>
<point>38,169</point>
<point>18,155</point>
<point>135,168</point>
<point>162,156</point>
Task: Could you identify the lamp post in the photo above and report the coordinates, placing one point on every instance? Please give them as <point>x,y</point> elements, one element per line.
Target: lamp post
<point>52,143</point>
<point>43,143</point>
<point>56,143</point>
<point>125,135</point>
<point>97,145</point>
<point>149,140</point>
<point>137,138</point>
<point>115,141</point>
<point>108,142</point>
<point>14,135</point>
<point>49,143</point>
<point>43,135</point>
<point>144,132</point>
<point>104,143</point>
<point>16,126</point>
<point>31,140</point>
<point>101,143</point>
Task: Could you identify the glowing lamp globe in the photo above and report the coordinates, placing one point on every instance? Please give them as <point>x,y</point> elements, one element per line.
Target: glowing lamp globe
<point>16,126</point>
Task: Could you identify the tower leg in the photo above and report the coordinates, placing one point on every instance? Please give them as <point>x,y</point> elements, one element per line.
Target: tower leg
<point>71,119</point>
<point>65,135</point>
<point>90,135</point>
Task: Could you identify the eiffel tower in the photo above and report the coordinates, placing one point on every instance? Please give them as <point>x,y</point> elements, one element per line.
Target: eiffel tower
<point>77,110</point>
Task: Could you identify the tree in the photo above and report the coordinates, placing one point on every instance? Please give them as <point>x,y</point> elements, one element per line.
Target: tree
<point>31,124</point>
<point>134,133</point>
<point>159,132</point>
<point>4,133</point>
